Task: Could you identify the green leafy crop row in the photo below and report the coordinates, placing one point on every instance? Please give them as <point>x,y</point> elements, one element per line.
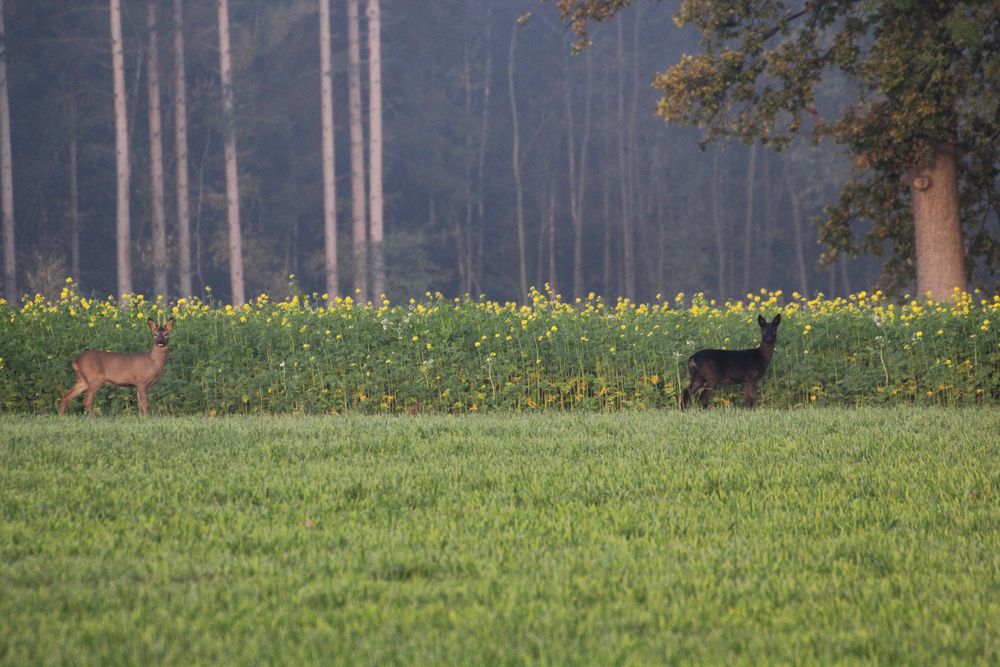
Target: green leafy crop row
<point>305,355</point>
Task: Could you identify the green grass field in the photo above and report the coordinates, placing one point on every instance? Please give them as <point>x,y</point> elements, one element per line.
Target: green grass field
<point>726,536</point>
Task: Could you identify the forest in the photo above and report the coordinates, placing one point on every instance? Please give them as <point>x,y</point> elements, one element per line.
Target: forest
<point>485,155</point>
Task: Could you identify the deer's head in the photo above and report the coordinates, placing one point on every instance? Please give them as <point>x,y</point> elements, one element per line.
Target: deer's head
<point>161,332</point>
<point>769,330</point>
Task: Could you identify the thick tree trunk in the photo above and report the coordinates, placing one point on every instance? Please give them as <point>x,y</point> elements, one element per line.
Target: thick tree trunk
<point>232,170</point>
<point>329,172</point>
<point>181,148</point>
<point>156,156</point>
<point>375,147</point>
<point>516,161</point>
<point>123,170</point>
<point>940,253</point>
<point>358,203</point>
<point>6,176</point>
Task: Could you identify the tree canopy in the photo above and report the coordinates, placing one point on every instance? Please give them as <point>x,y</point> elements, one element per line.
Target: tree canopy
<point>911,77</point>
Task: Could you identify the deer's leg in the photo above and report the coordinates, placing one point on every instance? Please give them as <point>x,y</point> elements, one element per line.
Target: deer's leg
<point>75,390</point>
<point>697,382</point>
<point>706,395</point>
<point>750,393</point>
<point>140,391</point>
<point>88,400</point>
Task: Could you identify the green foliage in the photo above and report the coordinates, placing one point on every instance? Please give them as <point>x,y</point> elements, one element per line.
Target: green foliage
<point>823,536</point>
<point>924,77</point>
<point>303,356</point>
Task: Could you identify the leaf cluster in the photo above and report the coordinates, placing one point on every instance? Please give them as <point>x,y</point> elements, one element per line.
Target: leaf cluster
<point>914,78</point>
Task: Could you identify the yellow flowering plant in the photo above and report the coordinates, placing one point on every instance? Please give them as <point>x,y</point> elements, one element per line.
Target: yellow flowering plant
<point>309,354</point>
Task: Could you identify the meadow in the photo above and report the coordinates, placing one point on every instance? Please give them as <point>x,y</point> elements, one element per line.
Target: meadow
<point>827,535</point>
<point>307,355</point>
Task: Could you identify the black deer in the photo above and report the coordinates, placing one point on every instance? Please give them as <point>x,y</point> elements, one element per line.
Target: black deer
<point>710,368</point>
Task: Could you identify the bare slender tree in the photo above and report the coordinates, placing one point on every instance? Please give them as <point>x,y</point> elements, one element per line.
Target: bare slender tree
<point>123,169</point>
<point>628,232</point>
<point>181,148</point>
<point>578,162</point>
<point>718,225</point>
<point>358,205</point>
<point>6,175</point>
<point>329,172</point>
<point>156,154</point>
<point>376,210</point>
<point>74,193</point>
<point>800,252</point>
<point>232,171</point>
<point>748,216</point>
<point>516,161</point>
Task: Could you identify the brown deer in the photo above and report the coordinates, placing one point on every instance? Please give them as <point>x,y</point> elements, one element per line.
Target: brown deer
<point>96,368</point>
<point>710,368</point>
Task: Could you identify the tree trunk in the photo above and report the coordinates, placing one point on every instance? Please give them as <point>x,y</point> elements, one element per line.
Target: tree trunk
<point>476,263</point>
<point>748,231</point>
<point>516,161</point>
<point>717,224</point>
<point>577,182</point>
<point>181,148</point>
<point>553,278</point>
<point>123,171</point>
<point>628,234</point>
<point>940,254</point>
<point>6,176</point>
<point>232,171</point>
<point>358,203</point>
<point>156,156</point>
<point>329,172</point>
<point>375,146</point>
<point>74,196</point>
<point>800,251</point>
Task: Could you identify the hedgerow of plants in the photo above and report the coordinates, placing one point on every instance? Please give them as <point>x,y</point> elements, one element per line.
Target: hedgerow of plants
<point>307,355</point>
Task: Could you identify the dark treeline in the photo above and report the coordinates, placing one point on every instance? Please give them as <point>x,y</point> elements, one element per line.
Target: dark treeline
<point>603,197</point>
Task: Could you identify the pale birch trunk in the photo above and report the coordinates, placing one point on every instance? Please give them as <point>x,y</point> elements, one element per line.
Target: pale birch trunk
<point>156,155</point>
<point>516,161</point>
<point>628,233</point>
<point>6,175</point>
<point>577,181</point>
<point>123,170</point>
<point>484,128</point>
<point>232,171</point>
<point>800,251</point>
<point>375,147</point>
<point>181,148</point>
<point>748,231</point>
<point>329,173</point>
<point>940,253</point>
<point>358,203</point>
<point>718,226</point>
<point>74,196</point>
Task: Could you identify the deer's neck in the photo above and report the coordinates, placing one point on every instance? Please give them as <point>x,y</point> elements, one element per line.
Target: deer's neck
<point>158,355</point>
<point>766,351</point>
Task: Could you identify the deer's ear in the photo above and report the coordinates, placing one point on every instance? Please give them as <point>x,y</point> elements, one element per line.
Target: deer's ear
<point>761,321</point>
<point>169,325</point>
<point>777,320</point>
<point>152,324</point>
